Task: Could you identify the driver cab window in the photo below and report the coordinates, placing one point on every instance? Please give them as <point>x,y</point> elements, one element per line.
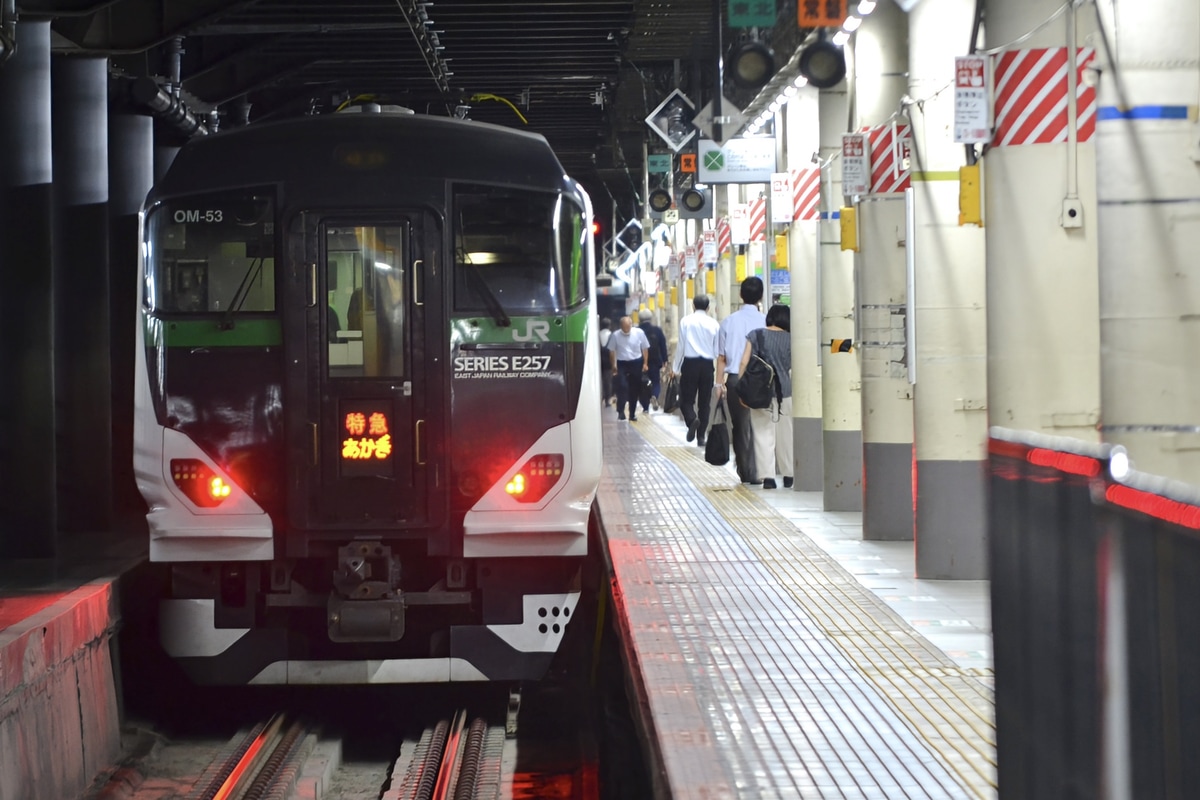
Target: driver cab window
<point>366,316</point>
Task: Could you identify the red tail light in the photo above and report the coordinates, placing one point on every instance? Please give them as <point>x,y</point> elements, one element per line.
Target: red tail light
<point>201,485</point>
<point>537,477</point>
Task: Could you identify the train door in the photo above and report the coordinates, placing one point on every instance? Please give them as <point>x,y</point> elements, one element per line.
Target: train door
<point>369,387</point>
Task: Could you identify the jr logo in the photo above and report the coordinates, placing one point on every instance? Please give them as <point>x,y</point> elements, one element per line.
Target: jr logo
<point>535,329</point>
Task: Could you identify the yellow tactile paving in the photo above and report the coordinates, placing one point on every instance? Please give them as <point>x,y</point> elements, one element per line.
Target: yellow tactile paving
<point>950,707</point>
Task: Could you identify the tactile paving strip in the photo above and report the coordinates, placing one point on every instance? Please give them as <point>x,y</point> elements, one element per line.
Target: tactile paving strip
<point>768,670</point>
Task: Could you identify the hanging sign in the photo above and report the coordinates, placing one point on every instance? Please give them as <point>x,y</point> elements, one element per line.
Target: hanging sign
<point>672,120</point>
<point>821,13</point>
<point>708,250</point>
<point>658,163</point>
<point>739,223</point>
<point>781,197</point>
<point>856,164</point>
<point>738,161</point>
<point>752,13</point>
<point>971,107</point>
<point>689,260</point>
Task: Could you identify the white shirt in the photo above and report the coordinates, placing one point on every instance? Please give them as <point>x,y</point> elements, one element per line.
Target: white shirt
<point>697,338</point>
<point>629,346</point>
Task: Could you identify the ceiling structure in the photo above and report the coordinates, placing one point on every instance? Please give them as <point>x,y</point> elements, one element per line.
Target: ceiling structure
<point>583,73</point>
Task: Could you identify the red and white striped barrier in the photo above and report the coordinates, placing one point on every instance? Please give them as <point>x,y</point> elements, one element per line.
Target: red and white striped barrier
<point>758,219</point>
<point>1031,97</point>
<point>724,236</point>
<point>806,193</point>
<point>891,158</point>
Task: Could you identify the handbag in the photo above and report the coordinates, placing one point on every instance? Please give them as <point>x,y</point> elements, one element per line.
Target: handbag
<point>646,391</point>
<point>757,387</point>
<point>671,394</point>
<point>716,449</point>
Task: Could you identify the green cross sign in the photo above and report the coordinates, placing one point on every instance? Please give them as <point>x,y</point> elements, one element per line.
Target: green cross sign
<point>714,160</point>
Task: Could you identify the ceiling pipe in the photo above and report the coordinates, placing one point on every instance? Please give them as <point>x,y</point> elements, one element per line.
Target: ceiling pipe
<point>165,106</point>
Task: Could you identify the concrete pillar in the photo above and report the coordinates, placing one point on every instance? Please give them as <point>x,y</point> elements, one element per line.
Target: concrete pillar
<point>130,177</point>
<point>881,66</point>
<point>949,397</point>
<point>1042,278</point>
<point>1148,159</point>
<point>83,385</point>
<point>28,518</point>
<point>841,397</point>
<point>803,141</point>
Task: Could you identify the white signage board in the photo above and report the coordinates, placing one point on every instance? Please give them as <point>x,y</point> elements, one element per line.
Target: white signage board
<point>689,260</point>
<point>739,223</point>
<point>972,111</point>
<point>731,120</point>
<point>781,197</point>
<point>708,251</point>
<point>856,164</point>
<point>738,161</point>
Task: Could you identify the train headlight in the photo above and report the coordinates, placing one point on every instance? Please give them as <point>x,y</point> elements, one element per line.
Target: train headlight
<point>537,477</point>
<point>201,485</point>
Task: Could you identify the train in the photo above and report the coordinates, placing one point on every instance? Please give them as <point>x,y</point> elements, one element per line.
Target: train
<point>367,401</point>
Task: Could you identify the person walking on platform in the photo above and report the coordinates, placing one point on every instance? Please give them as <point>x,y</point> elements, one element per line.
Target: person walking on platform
<point>630,353</point>
<point>694,358</point>
<point>772,427</point>
<point>606,378</point>
<point>658,357</point>
<point>731,345</point>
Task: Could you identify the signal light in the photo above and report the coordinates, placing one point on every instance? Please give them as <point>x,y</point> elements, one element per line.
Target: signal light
<point>823,63</point>
<point>537,477</point>
<point>658,202</point>
<point>199,483</point>
<point>752,64</point>
<point>694,204</point>
<point>595,227</point>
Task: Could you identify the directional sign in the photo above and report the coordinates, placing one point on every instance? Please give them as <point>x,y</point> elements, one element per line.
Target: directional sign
<point>672,120</point>
<point>751,13</point>
<point>658,163</point>
<point>732,120</point>
<point>737,161</point>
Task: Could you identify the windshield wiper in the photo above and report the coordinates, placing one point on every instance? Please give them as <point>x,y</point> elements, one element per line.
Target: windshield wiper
<point>243,291</point>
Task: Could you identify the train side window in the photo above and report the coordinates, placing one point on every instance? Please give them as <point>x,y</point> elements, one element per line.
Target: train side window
<point>572,239</point>
<point>365,284</point>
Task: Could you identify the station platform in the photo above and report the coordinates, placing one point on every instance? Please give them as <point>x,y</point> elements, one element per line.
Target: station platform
<point>777,655</point>
<point>59,704</point>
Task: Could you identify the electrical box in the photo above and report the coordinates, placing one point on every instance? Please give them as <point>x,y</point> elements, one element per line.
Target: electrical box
<point>849,219</point>
<point>1072,213</point>
<point>970,196</point>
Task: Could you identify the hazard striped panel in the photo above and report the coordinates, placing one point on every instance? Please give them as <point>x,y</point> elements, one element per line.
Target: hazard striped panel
<point>891,158</point>
<point>758,219</point>
<point>724,236</point>
<point>1031,97</point>
<point>806,193</point>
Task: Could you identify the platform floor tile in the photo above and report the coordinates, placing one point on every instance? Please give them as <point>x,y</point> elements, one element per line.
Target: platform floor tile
<point>765,669</point>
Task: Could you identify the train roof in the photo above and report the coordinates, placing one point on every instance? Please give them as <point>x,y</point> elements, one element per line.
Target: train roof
<point>388,146</point>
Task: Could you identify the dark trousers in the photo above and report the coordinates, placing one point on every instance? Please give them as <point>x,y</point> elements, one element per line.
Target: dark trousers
<point>655,374</point>
<point>743,434</point>
<point>695,383</point>
<point>629,385</point>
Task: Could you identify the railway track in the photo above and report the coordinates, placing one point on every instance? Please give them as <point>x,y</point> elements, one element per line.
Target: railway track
<point>452,760</point>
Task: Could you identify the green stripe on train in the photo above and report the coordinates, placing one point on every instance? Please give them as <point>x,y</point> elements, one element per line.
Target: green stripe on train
<point>214,333</point>
<point>484,329</point>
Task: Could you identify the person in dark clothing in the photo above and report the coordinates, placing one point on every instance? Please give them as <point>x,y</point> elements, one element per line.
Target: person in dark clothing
<point>658,356</point>
<point>694,359</point>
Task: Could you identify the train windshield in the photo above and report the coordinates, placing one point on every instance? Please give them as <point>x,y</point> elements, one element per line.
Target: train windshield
<point>212,254</point>
<point>517,252</point>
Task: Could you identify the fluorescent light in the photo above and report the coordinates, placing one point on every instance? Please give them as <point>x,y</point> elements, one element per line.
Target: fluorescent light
<point>774,106</point>
<point>866,7</point>
<point>800,81</point>
<point>791,91</point>
<point>840,38</point>
<point>851,24</point>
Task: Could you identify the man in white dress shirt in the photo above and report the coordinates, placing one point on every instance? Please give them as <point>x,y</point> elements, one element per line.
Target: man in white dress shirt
<point>630,351</point>
<point>693,363</point>
<point>731,345</point>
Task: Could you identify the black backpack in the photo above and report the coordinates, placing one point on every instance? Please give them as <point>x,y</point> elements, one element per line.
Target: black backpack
<point>757,387</point>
